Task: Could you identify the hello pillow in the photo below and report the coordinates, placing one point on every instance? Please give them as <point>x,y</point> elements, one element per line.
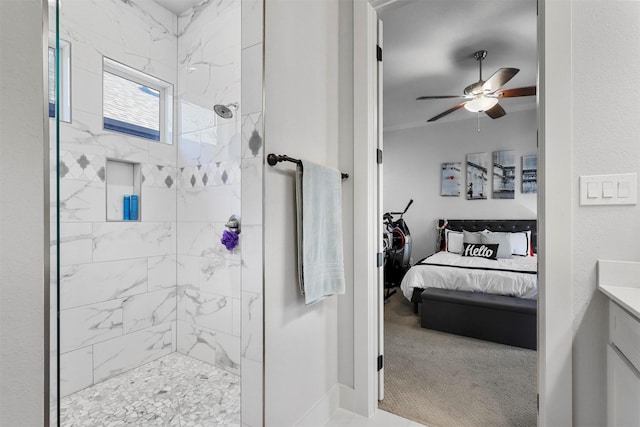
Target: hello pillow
<point>481,250</point>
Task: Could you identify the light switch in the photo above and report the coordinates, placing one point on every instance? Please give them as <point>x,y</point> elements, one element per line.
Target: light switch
<point>612,189</point>
<point>592,190</point>
<point>608,189</point>
<point>624,188</point>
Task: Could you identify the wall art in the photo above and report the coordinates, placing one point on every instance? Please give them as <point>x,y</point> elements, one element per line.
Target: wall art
<point>477,168</point>
<point>450,178</point>
<point>504,174</point>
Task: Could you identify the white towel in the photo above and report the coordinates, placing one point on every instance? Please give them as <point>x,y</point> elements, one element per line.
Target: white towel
<point>319,212</point>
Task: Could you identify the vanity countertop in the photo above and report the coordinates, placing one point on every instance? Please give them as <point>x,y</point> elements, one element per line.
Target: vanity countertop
<point>626,297</point>
<point>620,281</point>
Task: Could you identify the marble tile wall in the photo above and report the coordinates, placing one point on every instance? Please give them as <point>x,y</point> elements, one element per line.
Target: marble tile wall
<point>209,183</point>
<point>118,291</point>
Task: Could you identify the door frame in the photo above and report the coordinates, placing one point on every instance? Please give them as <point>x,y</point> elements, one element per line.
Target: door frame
<point>365,224</point>
<point>555,195</point>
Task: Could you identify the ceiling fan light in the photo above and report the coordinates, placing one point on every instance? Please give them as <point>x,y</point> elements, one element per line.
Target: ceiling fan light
<point>480,103</point>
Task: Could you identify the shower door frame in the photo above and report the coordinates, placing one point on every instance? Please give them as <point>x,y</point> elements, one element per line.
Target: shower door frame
<point>47,223</point>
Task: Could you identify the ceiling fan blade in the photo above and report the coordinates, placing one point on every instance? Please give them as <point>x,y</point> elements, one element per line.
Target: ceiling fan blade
<point>518,91</point>
<point>441,97</point>
<point>499,78</point>
<point>449,111</point>
<point>496,111</point>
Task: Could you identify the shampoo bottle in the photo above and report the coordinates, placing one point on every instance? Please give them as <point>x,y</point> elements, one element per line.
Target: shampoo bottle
<point>133,212</point>
<point>126,212</point>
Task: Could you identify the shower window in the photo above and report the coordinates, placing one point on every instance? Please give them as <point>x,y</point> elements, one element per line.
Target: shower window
<point>136,103</point>
<point>65,80</point>
<point>52,82</point>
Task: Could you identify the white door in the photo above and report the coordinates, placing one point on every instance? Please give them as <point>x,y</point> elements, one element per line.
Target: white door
<point>368,273</point>
<point>379,183</point>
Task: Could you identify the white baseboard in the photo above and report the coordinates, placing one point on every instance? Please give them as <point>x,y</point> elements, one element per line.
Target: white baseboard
<point>347,398</point>
<point>322,411</point>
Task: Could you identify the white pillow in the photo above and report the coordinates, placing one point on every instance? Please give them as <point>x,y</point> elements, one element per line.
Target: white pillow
<point>521,243</point>
<point>473,236</point>
<point>453,241</point>
<point>502,239</point>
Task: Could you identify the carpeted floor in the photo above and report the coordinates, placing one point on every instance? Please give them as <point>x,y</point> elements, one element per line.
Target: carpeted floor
<point>444,380</point>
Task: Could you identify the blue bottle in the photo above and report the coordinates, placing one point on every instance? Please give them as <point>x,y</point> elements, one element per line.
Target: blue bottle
<point>126,208</point>
<point>133,211</point>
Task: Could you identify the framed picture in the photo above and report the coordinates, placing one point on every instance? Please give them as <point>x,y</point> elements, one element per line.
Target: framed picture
<point>504,174</point>
<point>450,178</point>
<point>477,167</point>
<point>530,174</point>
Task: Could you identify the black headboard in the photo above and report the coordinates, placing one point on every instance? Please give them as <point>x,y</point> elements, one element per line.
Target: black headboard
<point>505,225</point>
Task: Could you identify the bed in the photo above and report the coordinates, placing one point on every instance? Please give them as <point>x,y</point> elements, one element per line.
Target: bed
<point>491,299</point>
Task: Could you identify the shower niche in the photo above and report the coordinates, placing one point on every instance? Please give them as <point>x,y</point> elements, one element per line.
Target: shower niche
<point>122,181</point>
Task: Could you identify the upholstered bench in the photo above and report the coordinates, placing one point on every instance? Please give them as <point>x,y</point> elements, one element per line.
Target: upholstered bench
<point>497,318</point>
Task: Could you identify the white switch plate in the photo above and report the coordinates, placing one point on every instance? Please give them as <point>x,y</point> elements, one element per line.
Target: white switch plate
<point>611,186</point>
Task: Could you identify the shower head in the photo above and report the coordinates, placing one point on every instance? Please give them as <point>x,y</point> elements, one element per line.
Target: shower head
<point>224,111</point>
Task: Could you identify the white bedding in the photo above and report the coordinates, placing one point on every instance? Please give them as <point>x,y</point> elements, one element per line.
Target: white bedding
<point>523,285</point>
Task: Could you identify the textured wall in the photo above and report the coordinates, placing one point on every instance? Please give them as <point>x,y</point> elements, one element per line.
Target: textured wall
<point>606,135</point>
<point>22,220</point>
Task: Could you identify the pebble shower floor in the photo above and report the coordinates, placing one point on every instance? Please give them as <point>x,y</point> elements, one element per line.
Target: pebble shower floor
<point>175,390</point>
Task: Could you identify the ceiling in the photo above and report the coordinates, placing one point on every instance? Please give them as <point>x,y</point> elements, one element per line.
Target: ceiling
<point>177,6</point>
<point>428,50</point>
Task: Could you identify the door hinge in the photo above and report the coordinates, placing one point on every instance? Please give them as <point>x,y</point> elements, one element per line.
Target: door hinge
<point>379,259</point>
<point>378,156</point>
<point>538,402</point>
<point>380,362</point>
<point>379,53</point>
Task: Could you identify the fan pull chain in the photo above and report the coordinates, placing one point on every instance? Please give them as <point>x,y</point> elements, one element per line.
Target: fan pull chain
<point>478,121</point>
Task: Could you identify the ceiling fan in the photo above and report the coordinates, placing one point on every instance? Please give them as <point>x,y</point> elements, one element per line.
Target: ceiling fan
<point>483,95</point>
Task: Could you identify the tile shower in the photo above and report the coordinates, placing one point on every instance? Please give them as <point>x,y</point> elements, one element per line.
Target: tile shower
<point>133,293</point>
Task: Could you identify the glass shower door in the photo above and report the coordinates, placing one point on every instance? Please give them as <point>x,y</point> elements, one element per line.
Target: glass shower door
<point>147,301</point>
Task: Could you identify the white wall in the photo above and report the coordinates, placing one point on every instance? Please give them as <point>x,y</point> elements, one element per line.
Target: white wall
<point>345,302</point>
<point>301,120</point>
<point>412,161</point>
<point>22,209</point>
<point>606,60</point>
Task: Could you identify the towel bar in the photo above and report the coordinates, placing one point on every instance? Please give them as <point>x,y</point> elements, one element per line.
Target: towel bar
<point>273,159</point>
